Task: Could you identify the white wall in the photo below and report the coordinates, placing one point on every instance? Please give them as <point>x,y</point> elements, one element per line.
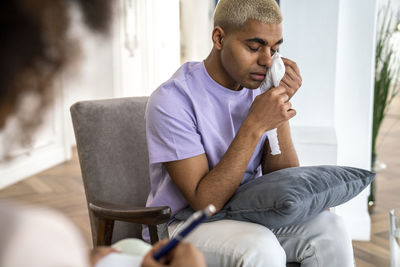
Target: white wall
<point>310,38</point>
<point>196,28</point>
<point>333,43</point>
<point>152,29</point>
<point>354,100</point>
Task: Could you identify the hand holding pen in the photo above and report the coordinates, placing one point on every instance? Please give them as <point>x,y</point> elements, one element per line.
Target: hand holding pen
<point>184,254</point>
<point>187,227</point>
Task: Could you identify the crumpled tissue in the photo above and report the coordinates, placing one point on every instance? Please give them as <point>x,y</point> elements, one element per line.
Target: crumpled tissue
<point>273,78</point>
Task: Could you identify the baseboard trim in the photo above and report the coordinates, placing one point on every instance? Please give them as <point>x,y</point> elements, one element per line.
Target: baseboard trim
<point>30,164</point>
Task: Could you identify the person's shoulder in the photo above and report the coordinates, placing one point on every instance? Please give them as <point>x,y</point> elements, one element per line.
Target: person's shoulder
<point>175,91</point>
<point>179,79</point>
<point>188,69</point>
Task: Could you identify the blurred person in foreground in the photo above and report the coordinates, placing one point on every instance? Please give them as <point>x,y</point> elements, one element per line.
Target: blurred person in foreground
<point>35,48</point>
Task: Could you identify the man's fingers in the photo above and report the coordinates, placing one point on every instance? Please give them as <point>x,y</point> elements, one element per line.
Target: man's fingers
<point>287,111</point>
<point>291,113</point>
<point>292,75</point>
<point>277,90</point>
<point>290,90</point>
<point>287,83</point>
<point>292,64</point>
<point>288,106</point>
<point>284,98</point>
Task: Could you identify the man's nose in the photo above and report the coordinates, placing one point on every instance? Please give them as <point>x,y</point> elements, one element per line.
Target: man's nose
<point>265,58</point>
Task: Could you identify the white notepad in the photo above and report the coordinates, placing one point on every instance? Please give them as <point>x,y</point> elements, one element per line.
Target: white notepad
<point>120,260</point>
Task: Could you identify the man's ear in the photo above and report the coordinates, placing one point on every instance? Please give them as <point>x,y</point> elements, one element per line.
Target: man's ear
<point>218,37</point>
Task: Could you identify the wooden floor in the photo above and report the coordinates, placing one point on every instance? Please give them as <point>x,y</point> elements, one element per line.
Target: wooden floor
<point>61,188</point>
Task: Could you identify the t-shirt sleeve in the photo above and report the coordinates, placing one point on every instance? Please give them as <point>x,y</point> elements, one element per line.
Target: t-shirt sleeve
<point>171,126</point>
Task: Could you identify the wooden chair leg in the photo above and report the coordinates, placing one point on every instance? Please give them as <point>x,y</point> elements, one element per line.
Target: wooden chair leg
<point>104,232</point>
<point>153,234</point>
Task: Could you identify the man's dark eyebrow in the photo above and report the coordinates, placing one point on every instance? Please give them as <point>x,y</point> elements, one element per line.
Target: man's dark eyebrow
<point>262,42</point>
<point>257,40</point>
<point>279,42</point>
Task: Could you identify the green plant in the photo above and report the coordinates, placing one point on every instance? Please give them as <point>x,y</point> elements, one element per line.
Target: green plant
<point>387,70</point>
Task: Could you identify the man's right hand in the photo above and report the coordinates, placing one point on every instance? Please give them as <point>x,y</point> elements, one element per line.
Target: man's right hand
<point>185,254</point>
<point>270,109</point>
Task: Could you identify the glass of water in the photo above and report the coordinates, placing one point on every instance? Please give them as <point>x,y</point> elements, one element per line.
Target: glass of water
<point>395,238</point>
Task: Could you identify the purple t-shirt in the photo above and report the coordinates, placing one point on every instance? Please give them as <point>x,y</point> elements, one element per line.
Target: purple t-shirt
<point>189,115</point>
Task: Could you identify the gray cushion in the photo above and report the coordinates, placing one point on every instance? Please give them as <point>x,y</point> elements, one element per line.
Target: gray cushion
<point>291,196</point>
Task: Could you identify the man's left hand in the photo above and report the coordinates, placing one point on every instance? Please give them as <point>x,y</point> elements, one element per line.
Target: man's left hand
<point>292,78</point>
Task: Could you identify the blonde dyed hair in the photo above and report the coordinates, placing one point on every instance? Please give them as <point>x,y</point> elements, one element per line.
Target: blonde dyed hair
<point>232,14</point>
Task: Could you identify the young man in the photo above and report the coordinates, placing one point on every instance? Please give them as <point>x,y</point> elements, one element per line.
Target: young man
<point>206,136</point>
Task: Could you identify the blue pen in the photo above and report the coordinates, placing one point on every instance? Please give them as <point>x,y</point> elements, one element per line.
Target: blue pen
<point>187,227</point>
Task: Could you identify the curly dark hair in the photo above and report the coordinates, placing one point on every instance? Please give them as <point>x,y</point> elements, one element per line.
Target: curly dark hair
<point>34,44</point>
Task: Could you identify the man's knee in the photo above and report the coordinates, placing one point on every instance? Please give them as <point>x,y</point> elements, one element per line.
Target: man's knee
<point>335,242</point>
<point>234,243</point>
<point>247,251</point>
<point>265,251</point>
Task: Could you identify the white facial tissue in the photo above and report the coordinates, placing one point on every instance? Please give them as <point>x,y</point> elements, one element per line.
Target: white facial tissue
<point>273,78</point>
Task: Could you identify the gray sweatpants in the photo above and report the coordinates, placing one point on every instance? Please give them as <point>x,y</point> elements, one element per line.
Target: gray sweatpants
<point>322,241</point>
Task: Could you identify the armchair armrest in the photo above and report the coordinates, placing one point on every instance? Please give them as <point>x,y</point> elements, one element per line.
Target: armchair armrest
<point>140,215</point>
<point>107,213</point>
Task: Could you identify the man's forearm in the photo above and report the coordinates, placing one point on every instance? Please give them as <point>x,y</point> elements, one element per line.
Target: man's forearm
<point>287,158</point>
<point>220,183</point>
